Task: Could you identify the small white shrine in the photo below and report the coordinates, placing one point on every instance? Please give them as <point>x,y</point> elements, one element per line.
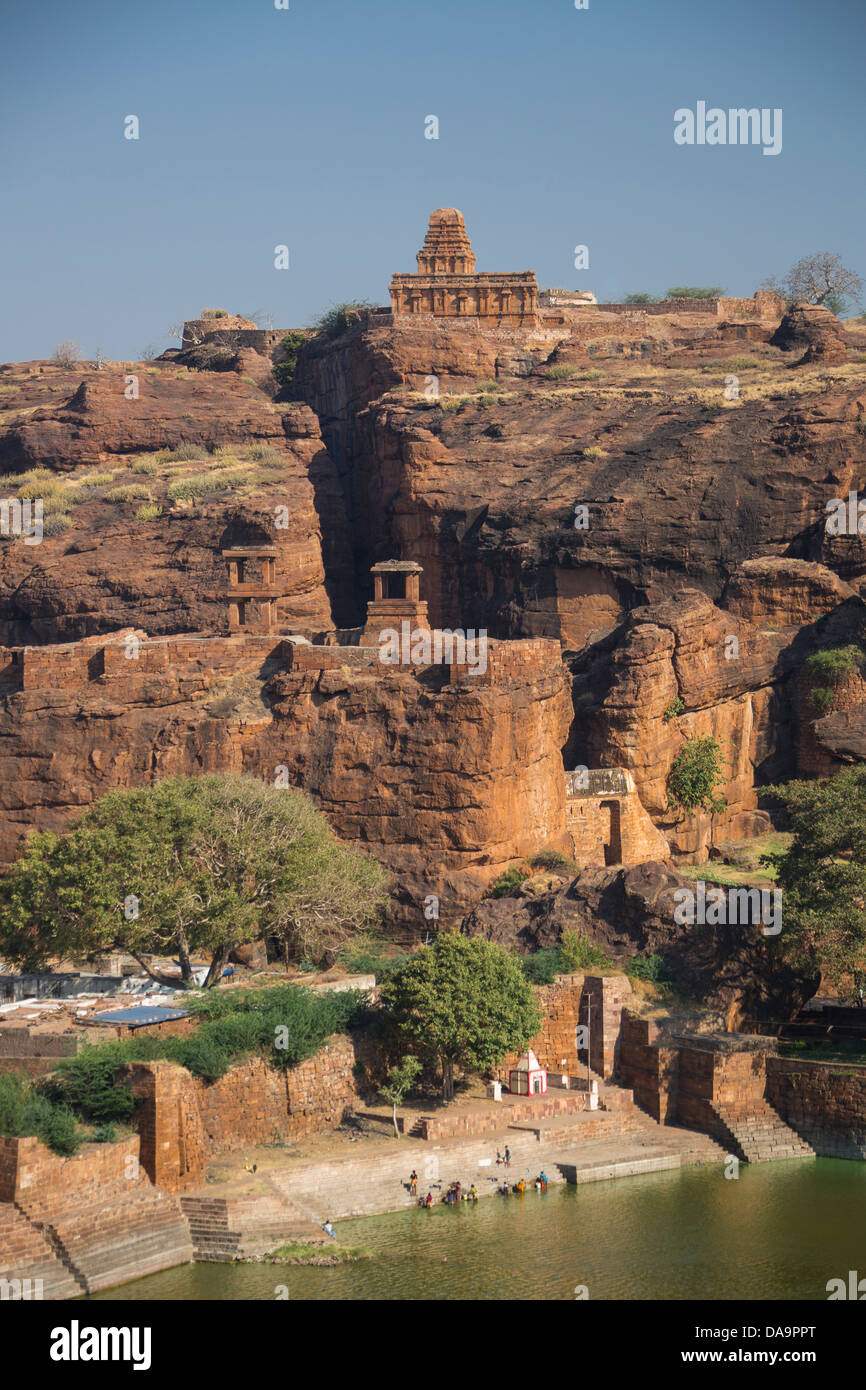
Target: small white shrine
<point>529,1077</point>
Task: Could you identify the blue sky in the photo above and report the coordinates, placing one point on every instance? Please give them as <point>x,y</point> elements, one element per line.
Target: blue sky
<point>305,127</point>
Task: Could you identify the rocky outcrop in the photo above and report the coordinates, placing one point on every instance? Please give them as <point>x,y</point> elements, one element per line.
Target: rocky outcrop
<point>445,784</point>
<point>733,969</point>
<point>814,328</point>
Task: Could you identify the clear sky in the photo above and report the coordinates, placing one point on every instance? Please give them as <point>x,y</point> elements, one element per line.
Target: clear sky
<point>306,127</point>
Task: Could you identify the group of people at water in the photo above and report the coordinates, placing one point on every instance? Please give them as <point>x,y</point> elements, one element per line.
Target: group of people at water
<point>458,1193</point>
<point>521,1186</point>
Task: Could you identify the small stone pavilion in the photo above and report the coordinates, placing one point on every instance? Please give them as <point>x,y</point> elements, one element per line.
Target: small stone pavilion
<point>396,598</point>
<point>447,285</point>
<point>252,602</point>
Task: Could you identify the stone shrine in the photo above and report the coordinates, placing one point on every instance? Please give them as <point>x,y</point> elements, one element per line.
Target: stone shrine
<point>447,285</point>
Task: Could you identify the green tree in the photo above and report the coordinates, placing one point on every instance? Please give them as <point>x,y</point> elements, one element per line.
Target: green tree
<point>400,1081</point>
<point>189,865</point>
<point>284,371</point>
<point>695,773</point>
<point>822,874</point>
<point>641,297</point>
<point>463,1002</point>
<point>695,292</point>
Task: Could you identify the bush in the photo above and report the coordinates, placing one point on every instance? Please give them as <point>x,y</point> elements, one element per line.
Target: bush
<point>56,525</point>
<point>651,968</point>
<point>487,384</point>
<point>641,298</point>
<point>694,292</point>
<point>560,370</point>
<point>694,775</point>
<point>595,452</point>
<point>143,465</point>
<point>507,882</point>
<point>827,668</point>
<point>540,968</point>
<point>199,485</point>
<point>284,372</point>
<point>149,512</point>
<point>96,480</point>
<point>577,952</point>
<point>66,354</point>
<point>129,492</point>
<point>674,710</point>
<point>104,1134</point>
<point>552,859</point>
<point>186,453</point>
<point>264,453</point>
<point>26,1111</point>
<point>334,322</point>
<point>39,487</point>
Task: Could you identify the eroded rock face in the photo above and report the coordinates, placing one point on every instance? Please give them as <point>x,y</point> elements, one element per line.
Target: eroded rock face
<point>814,328</point>
<point>444,784</point>
<point>740,683</point>
<point>165,574</point>
<point>784,591</point>
<point>731,968</point>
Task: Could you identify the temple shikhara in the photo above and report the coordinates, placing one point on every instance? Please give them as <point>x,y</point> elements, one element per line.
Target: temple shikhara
<point>448,286</point>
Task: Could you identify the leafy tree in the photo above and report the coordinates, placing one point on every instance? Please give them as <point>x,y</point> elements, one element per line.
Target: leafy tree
<point>189,865</point>
<point>334,322</point>
<point>695,292</point>
<point>641,298</point>
<point>827,668</point>
<point>695,773</point>
<point>400,1081</point>
<point>464,1002</point>
<point>822,874</point>
<point>819,279</point>
<point>284,371</point>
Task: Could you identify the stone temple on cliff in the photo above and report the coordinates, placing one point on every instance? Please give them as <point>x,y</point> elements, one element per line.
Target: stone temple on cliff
<point>448,286</point>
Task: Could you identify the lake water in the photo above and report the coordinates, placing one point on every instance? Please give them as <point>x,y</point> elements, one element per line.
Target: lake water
<point>778,1231</point>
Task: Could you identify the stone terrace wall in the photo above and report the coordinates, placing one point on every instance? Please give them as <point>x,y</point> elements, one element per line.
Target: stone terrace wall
<point>825,1104</point>
<point>77,663</point>
<point>182,1118</point>
<point>29,1170</point>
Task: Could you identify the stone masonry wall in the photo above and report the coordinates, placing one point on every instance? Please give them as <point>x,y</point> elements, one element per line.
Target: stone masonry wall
<point>182,1118</point>
<point>825,1104</point>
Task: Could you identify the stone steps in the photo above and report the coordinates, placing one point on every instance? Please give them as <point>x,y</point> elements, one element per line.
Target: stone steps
<point>759,1134</point>
<point>113,1232</point>
<point>235,1227</point>
<point>27,1256</point>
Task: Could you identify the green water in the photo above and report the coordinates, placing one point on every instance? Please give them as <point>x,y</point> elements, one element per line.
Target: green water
<point>778,1231</point>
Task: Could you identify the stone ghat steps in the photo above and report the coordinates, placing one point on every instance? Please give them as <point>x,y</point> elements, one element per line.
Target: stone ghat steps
<point>759,1134</point>
<point>25,1254</point>
<point>236,1228</point>
<point>348,1187</point>
<point>112,1232</point>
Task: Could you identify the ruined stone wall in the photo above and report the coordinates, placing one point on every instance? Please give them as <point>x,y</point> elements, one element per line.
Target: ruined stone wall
<point>29,1170</point>
<point>182,1118</point>
<point>824,1103</point>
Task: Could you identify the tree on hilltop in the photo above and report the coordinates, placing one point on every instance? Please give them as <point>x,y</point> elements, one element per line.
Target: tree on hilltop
<point>463,1002</point>
<point>818,279</point>
<point>191,865</point>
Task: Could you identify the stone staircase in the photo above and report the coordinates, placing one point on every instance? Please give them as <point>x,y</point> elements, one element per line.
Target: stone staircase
<point>29,1263</point>
<point>239,1226</point>
<point>108,1233</point>
<point>758,1134</point>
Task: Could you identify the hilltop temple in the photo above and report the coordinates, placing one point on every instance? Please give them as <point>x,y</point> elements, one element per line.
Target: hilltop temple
<point>448,286</point>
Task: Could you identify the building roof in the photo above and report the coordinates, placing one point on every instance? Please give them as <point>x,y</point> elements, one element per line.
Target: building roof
<point>397,566</point>
<point>528,1062</point>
